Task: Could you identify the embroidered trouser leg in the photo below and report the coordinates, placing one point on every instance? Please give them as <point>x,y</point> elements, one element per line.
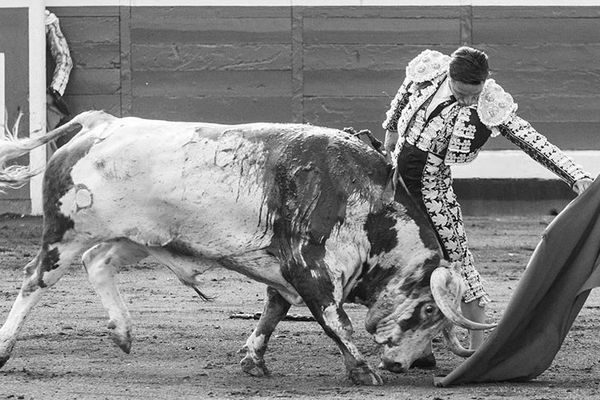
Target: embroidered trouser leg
<point>429,181</point>
<point>446,216</point>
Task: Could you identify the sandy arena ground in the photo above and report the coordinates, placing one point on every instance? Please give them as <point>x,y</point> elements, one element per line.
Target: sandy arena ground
<point>185,348</point>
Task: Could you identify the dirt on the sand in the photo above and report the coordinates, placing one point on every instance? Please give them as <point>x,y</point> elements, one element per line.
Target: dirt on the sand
<point>185,348</point>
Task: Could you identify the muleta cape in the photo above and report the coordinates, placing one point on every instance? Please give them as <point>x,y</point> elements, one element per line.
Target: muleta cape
<point>563,269</point>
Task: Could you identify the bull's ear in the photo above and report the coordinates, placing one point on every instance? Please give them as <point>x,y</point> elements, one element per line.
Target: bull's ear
<point>380,313</point>
<point>373,317</point>
<point>377,313</point>
<point>385,330</point>
<point>380,323</point>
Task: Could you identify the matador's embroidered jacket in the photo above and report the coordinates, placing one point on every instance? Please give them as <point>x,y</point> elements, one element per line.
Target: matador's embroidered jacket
<point>458,133</point>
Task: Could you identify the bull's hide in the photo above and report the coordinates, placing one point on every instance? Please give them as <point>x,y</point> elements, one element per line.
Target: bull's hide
<point>563,269</point>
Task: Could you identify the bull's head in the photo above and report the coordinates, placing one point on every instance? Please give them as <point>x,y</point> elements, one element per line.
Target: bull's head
<point>411,310</point>
<point>415,294</point>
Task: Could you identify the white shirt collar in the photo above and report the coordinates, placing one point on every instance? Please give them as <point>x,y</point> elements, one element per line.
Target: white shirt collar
<point>444,91</point>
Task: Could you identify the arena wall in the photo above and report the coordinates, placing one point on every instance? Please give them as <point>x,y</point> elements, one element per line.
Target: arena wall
<point>340,66</point>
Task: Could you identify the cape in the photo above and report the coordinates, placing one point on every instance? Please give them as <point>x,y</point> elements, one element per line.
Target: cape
<point>562,271</point>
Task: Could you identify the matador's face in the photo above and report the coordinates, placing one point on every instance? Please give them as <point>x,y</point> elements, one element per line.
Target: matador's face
<point>466,94</point>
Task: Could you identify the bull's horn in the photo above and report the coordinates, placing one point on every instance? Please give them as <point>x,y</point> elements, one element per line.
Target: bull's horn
<point>442,283</point>
<point>454,344</point>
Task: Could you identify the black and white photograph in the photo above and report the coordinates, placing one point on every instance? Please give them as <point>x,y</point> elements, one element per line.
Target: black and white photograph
<point>299,199</point>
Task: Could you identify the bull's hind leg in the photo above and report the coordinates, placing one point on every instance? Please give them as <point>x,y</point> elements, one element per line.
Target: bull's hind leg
<point>101,263</point>
<point>40,274</point>
<point>276,308</point>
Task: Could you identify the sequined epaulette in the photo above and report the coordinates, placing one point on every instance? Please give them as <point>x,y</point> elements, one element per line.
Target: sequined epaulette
<point>495,106</point>
<point>427,66</point>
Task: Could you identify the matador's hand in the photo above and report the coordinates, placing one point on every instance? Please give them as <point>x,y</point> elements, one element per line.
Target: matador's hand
<point>581,185</point>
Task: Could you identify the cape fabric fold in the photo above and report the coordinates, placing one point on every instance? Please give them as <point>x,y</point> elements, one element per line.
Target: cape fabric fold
<point>563,269</point>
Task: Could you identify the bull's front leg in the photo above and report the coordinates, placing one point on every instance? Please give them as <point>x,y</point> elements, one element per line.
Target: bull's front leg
<point>276,308</point>
<point>318,292</point>
<point>338,326</point>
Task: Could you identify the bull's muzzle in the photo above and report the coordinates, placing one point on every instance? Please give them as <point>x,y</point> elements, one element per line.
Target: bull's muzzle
<point>392,366</point>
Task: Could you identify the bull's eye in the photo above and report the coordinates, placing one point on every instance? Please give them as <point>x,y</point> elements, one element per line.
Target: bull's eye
<point>429,309</point>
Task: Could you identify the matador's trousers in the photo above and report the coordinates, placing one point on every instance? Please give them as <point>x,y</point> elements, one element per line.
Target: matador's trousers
<point>429,181</point>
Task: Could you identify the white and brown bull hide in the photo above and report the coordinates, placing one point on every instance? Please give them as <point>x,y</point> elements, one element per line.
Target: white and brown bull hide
<point>306,210</point>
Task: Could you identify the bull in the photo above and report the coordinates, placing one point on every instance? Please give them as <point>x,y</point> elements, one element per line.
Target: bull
<point>309,211</point>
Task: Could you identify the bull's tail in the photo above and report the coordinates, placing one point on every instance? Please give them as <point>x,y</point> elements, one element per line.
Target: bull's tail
<point>11,147</point>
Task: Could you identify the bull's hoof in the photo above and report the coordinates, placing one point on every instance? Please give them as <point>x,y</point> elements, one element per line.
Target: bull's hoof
<point>124,345</point>
<point>426,362</point>
<point>5,351</point>
<point>4,360</point>
<point>254,367</point>
<point>122,338</point>
<point>364,375</point>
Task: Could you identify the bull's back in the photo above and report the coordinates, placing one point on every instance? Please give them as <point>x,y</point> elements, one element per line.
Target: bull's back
<point>219,188</point>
